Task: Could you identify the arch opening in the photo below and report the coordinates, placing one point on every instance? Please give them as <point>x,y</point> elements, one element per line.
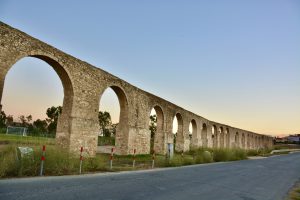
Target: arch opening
<point>113,120</point>
<point>193,134</point>
<point>227,138</point>
<point>214,136</point>
<point>221,134</point>
<point>178,132</point>
<point>156,127</point>
<point>48,97</point>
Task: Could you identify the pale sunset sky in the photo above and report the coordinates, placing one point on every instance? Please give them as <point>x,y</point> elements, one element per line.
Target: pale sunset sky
<point>235,62</point>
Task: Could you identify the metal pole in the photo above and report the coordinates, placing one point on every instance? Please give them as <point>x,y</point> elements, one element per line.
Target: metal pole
<point>43,159</point>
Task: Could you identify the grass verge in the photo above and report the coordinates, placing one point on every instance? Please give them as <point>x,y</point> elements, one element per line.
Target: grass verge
<point>61,162</point>
<point>294,194</point>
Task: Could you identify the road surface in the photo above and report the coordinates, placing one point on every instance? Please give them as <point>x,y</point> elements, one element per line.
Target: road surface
<point>261,179</point>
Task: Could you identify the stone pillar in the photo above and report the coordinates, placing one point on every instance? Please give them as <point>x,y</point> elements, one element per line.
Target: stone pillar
<point>231,139</point>
<point>204,134</point>
<point>160,141</point>
<point>83,122</point>
<point>182,138</point>
<point>169,130</point>
<point>186,137</point>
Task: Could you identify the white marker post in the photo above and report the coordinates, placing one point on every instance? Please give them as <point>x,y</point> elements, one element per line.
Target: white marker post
<point>81,159</point>
<point>42,159</point>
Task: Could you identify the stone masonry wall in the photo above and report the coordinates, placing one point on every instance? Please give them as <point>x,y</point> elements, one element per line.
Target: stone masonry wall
<point>83,86</point>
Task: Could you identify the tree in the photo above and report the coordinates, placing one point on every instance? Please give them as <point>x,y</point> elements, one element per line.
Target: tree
<point>152,128</point>
<point>104,122</point>
<point>2,119</point>
<point>25,121</point>
<point>40,125</point>
<point>153,125</point>
<point>53,114</point>
<point>9,120</point>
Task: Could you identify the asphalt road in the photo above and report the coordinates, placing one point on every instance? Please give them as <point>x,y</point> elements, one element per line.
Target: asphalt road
<point>263,179</point>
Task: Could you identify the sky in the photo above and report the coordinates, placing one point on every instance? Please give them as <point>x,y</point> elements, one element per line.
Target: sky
<point>234,62</point>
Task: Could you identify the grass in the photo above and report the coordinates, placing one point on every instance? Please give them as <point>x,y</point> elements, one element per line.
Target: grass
<point>260,152</point>
<point>286,146</point>
<point>61,162</point>
<point>26,140</point>
<point>294,194</point>
<point>104,141</point>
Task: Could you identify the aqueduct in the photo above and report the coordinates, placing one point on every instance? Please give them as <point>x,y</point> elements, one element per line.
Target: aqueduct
<point>83,86</point>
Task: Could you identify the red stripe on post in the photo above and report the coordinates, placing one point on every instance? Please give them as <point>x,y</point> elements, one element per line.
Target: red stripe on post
<point>44,148</point>
<point>43,158</point>
<point>81,149</point>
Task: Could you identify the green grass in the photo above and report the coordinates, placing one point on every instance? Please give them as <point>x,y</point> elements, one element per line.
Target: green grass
<point>61,162</point>
<point>294,193</point>
<point>259,152</point>
<point>26,140</point>
<point>103,141</point>
<point>286,146</point>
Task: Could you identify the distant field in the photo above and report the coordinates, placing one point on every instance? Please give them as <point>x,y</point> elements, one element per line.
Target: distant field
<point>286,146</point>
<point>16,139</point>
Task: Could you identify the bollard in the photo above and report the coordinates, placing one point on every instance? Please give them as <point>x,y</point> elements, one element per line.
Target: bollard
<point>133,161</point>
<point>42,159</point>
<point>153,159</point>
<point>81,159</point>
<point>111,158</point>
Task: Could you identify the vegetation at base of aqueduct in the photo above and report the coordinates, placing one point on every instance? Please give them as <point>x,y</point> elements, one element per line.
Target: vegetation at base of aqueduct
<point>60,162</point>
<point>294,194</point>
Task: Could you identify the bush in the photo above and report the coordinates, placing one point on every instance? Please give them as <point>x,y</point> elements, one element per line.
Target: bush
<point>252,152</point>
<point>229,155</point>
<point>58,162</point>
<point>104,141</point>
<point>8,162</point>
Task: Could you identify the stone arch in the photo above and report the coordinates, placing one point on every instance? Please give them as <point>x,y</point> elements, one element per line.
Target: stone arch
<point>237,140</point>
<point>179,146</point>
<point>63,124</point>
<point>204,135</point>
<point>122,130</point>
<point>159,142</point>
<point>194,139</point>
<point>214,136</point>
<point>221,138</point>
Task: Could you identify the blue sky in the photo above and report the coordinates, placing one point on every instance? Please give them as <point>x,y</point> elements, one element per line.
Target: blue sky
<point>236,62</point>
